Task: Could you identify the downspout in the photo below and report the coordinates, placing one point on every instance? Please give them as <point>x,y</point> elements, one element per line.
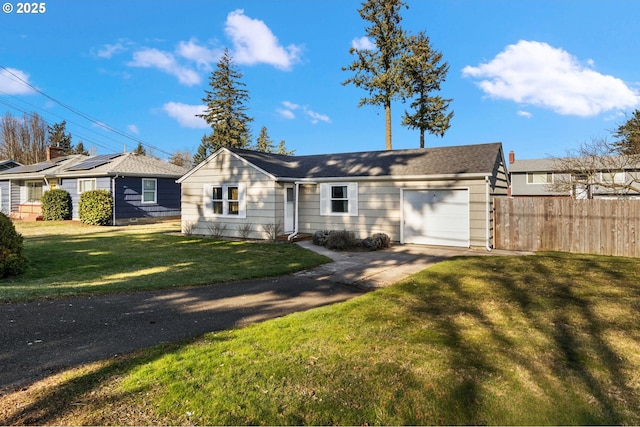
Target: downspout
<point>113,193</point>
<point>488,207</point>
<point>295,212</point>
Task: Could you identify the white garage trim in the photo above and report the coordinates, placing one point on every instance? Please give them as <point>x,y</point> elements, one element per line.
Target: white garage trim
<point>435,216</point>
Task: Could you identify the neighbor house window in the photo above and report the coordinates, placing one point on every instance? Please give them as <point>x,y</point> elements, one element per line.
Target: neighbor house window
<point>539,177</point>
<point>149,190</point>
<point>34,191</point>
<point>86,185</point>
<point>225,200</point>
<point>618,177</point>
<point>339,199</point>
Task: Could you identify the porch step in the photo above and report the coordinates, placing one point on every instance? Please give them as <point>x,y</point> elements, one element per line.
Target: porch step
<point>298,238</point>
<point>28,212</point>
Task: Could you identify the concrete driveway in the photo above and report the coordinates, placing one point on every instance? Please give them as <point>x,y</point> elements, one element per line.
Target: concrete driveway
<point>43,337</point>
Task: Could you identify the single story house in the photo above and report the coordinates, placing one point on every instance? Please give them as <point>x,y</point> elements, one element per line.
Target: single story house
<point>435,196</point>
<point>604,177</point>
<point>143,187</point>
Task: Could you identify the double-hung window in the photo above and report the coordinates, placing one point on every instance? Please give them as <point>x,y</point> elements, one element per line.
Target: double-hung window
<point>339,199</point>
<point>225,200</point>
<point>539,177</point>
<point>86,185</point>
<point>149,190</point>
<point>34,191</point>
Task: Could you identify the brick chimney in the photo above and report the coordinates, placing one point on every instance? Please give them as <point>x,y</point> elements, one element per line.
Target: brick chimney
<point>53,152</point>
<point>512,157</point>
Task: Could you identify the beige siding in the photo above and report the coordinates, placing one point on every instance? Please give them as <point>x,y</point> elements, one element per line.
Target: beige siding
<point>379,208</point>
<point>264,198</point>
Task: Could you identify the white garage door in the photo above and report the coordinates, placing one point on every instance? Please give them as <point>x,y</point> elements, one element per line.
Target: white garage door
<point>436,217</point>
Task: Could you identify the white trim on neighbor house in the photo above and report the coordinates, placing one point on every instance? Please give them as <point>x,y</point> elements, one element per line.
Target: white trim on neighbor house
<point>91,182</point>
<point>153,191</point>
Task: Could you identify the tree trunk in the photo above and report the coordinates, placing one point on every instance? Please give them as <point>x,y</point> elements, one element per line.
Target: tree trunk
<point>421,138</point>
<point>387,108</point>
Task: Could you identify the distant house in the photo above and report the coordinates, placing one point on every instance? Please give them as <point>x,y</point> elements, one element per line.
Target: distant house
<point>436,196</point>
<point>549,177</point>
<point>143,187</point>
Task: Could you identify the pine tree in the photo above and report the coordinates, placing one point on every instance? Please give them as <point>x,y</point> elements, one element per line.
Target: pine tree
<point>425,73</point>
<point>79,149</point>
<point>379,71</point>
<point>140,149</point>
<point>264,143</point>
<point>58,137</point>
<point>628,135</point>
<point>282,149</point>
<point>226,110</point>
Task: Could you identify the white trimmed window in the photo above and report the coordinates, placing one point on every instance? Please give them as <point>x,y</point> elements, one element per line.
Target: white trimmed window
<point>226,200</point>
<point>339,199</point>
<point>539,177</point>
<point>149,190</point>
<point>88,184</point>
<point>33,192</point>
<point>617,177</point>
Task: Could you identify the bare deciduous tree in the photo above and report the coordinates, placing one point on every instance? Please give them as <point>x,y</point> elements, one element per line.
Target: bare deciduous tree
<point>597,166</point>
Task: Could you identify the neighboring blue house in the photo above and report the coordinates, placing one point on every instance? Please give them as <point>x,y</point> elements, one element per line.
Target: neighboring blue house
<point>143,187</point>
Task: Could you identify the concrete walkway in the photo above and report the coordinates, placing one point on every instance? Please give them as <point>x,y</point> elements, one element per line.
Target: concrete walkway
<point>378,269</point>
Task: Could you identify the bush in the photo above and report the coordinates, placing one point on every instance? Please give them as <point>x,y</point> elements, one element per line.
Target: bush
<point>96,207</point>
<point>12,260</point>
<point>376,242</point>
<point>341,240</point>
<point>56,205</point>
<point>345,240</point>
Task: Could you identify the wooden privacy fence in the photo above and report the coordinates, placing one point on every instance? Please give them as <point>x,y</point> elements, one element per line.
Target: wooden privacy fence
<point>598,226</point>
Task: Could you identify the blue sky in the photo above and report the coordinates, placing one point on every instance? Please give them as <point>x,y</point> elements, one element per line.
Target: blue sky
<point>539,76</point>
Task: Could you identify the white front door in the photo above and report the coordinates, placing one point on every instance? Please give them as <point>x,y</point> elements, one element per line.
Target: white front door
<point>289,209</point>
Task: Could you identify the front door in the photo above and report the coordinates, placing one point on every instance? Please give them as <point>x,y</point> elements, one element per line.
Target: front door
<point>289,209</point>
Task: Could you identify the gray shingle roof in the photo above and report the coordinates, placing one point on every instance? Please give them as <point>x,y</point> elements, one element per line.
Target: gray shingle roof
<point>465,159</point>
<point>128,164</point>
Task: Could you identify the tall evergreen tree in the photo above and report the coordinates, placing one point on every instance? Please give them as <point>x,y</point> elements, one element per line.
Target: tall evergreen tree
<point>264,143</point>
<point>425,73</point>
<point>79,149</point>
<point>379,71</point>
<point>282,149</point>
<point>226,110</point>
<point>58,137</point>
<point>628,135</point>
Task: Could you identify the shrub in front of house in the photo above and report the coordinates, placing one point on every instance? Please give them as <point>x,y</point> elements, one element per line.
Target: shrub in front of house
<point>12,259</point>
<point>345,240</point>
<point>56,205</point>
<point>96,207</point>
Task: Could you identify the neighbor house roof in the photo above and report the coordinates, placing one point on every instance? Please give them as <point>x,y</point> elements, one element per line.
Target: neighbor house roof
<point>458,160</point>
<point>8,164</point>
<point>561,164</point>
<point>534,165</point>
<point>78,165</point>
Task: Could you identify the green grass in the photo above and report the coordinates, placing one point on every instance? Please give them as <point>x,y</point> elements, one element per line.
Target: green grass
<point>550,339</point>
<point>67,258</point>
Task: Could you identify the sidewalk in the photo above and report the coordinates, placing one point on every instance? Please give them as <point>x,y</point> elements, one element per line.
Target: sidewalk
<point>378,269</point>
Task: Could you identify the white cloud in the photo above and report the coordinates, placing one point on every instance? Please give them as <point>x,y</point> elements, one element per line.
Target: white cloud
<point>165,61</point>
<point>201,55</point>
<point>133,129</point>
<point>108,50</point>
<point>317,117</point>
<point>254,43</point>
<point>186,114</point>
<point>363,43</point>
<point>288,113</point>
<point>524,114</point>
<point>12,82</point>
<point>536,73</point>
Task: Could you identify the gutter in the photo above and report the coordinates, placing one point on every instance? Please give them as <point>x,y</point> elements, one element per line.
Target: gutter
<point>487,207</point>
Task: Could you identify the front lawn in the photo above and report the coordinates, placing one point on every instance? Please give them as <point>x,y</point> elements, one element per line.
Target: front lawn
<point>550,339</point>
<point>68,258</point>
